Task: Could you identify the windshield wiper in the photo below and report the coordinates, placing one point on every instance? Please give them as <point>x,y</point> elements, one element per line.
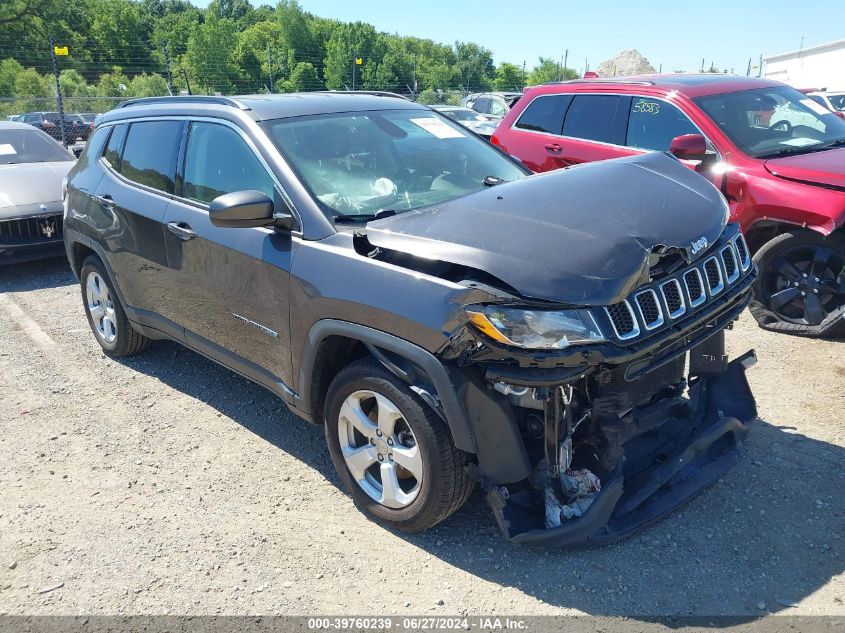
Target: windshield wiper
<point>787,151</point>
<point>364,217</point>
<point>837,142</point>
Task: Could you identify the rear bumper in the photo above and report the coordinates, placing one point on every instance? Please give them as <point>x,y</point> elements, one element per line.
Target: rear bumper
<point>27,252</point>
<point>705,444</point>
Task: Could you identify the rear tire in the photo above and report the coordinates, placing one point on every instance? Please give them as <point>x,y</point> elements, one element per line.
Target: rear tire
<point>801,285</point>
<point>105,313</point>
<point>378,428</point>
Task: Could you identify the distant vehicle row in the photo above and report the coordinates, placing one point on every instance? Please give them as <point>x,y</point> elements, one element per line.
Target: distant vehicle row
<point>77,126</point>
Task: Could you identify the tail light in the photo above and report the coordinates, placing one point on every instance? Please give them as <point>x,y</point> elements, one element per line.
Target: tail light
<point>494,140</point>
<point>47,124</point>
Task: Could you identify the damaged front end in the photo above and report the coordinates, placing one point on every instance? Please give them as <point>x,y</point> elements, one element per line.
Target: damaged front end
<point>602,437</point>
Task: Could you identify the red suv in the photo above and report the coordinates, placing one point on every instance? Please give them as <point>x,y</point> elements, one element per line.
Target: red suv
<point>777,156</point>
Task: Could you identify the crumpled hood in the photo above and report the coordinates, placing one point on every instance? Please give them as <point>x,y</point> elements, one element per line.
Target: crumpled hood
<point>32,183</point>
<point>582,235</point>
<point>825,168</point>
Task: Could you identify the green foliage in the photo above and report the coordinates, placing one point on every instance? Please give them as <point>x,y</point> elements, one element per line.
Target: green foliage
<point>126,48</point>
<point>304,77</point>
<point>508,78</point>
<point>145,85</point>
<point>549,70</point>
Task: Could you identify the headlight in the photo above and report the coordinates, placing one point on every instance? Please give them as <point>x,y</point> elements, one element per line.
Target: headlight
<point>535,329</point>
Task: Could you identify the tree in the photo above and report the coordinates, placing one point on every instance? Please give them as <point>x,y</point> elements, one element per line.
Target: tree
<point>144,85</point>
<point>348,42</point>
<point>303,78</point>
<point>549,70</point>
<point>119,34</point>
<point>475,64</point>
<point>508,78</point>
<point>112,84</point>
<point>210,50</point>
<point>9,71</point>
<point>250,54</point>
<point>73,84</point>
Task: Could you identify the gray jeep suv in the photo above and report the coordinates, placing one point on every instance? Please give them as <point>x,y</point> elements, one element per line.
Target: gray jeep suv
<point>449,318</point>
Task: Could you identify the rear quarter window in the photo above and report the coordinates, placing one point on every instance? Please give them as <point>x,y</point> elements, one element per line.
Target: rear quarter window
<point>545,114</point>
<point>149,155</point>
<point>597,118</point>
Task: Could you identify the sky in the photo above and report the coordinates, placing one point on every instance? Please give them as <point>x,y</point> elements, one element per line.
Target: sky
<point>675,34</point>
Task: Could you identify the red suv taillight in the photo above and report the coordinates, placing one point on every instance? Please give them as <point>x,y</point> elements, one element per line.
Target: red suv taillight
<point>494,140</point>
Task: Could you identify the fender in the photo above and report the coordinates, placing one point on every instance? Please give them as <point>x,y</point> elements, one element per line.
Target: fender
<point>75,237</point>
<point>436,373</point>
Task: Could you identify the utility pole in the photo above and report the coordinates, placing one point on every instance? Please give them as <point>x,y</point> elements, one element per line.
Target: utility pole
<point>565,61</point>
<point>760,67</point>
<point>354,63</point>
<point>523,74</point>
<point>59,105</point>
<point>702,64</point>
<point>748,71</point>
<point>415,77</point>
<point>660,71</point>
<point>270,66</point>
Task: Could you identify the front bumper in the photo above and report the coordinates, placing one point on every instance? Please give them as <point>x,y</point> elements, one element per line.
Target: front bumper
<point>678,458</point>
<point>27,252</point>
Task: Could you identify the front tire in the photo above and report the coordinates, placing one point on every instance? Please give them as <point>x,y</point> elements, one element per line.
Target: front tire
<point>394,454</point>
<point>105,313</point>
<point>801,285</point>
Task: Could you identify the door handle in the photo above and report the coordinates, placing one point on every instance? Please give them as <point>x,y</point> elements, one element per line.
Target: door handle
<point>105,201</point>
<point>181,230</point>
<point>553,147</point>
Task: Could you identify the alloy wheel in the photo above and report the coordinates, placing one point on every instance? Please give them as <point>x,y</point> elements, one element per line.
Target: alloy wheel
<point>806,284</point>
<point>101,308</point>
<point>380,449</point>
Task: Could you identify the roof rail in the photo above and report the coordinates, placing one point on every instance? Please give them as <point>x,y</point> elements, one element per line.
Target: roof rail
<point>184,99</point>
<point>602,80</point>
<point>373,93</point>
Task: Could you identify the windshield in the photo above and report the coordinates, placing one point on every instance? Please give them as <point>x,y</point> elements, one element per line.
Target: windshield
<point>29,146</point>
<point>359,163</point>
<point>779,121</point>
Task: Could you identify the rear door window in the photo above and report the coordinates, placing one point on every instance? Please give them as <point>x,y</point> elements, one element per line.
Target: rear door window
<point>653,124</point>
<point>219,161</point>
<point>545,114</point>
<point>149,155</point>
<point>597,118</point>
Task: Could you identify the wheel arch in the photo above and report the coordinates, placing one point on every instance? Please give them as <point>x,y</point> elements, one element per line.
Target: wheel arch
<point>332,344</point>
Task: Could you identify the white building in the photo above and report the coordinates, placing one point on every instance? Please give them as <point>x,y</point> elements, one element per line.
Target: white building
<point>821,66</point>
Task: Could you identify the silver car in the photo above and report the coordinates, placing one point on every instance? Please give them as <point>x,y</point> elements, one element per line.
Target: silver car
<point>470,119</point>
<point>32,168</point>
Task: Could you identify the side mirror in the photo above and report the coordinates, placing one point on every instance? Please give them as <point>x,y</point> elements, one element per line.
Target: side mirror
<point>689,147</point>
<point>246,209</point>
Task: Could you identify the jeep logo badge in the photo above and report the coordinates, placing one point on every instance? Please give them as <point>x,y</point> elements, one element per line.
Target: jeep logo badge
<point>698,245</point>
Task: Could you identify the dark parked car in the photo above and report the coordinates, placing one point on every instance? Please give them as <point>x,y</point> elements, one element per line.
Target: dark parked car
<point>75,126</point>
<point>32,166</point>
<point>777,156</point>
<point>447,317</point>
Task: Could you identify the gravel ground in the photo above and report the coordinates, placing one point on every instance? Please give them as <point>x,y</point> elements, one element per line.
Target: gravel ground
<point>166,484</point>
